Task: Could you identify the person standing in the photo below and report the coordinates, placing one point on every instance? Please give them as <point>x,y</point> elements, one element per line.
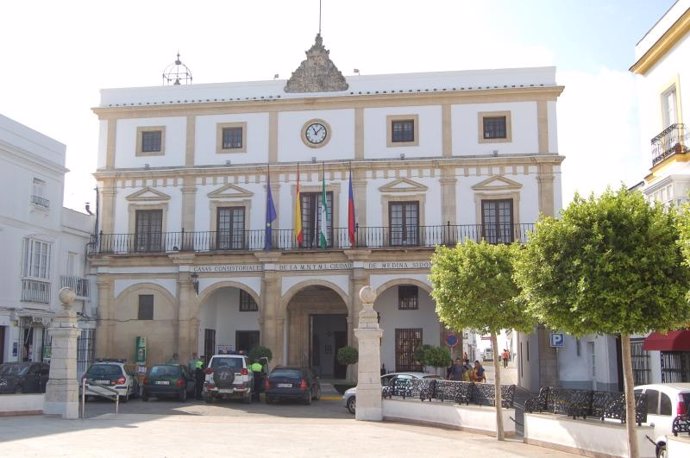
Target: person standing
<point>257,368</point>
<point>457,370</point>
<point>479,374</point>
<point>199,377</point>
<point>505,356</point>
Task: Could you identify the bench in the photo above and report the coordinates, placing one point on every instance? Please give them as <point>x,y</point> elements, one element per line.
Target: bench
<point>681,424</point>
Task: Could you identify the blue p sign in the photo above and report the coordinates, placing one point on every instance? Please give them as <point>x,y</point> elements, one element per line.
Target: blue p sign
<point>557,339</point>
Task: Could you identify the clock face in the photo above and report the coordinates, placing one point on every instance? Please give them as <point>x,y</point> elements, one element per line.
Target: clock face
<point>316,133</point>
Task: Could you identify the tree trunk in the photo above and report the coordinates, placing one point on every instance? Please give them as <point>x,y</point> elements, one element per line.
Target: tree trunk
<point>497,388</point>
<point>630,416</point>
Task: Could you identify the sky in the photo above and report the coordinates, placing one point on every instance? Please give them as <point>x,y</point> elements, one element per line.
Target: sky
<point>55,57</point>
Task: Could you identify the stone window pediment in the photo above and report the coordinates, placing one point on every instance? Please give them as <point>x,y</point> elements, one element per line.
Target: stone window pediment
<point>497,183</point>
<point>230,191</point>
<point>403,185</point>
<point>148,194</point>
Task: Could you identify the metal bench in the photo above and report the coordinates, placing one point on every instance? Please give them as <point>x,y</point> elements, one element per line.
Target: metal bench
<point>681,424</point>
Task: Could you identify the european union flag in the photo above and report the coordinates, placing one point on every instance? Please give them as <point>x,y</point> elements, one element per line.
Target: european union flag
<point>270,214</point>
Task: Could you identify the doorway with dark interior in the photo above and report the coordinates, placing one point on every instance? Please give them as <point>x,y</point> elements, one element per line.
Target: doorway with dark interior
<point>328,335</point>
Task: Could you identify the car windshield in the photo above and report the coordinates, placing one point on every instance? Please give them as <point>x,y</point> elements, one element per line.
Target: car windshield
<point>104,370</point>
<point>165,371</point>
<point>14,369</point>
<point>286,373</point>
<point>231,363</point>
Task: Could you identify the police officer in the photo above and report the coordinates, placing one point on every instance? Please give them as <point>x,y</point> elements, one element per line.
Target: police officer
<point>257,369</point>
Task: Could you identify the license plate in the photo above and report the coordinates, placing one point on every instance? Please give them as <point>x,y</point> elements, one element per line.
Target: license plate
<point>102,382</point>
<point>284,385</point>
<point>162,382</point>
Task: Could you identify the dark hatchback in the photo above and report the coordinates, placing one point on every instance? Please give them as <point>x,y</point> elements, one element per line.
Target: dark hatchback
<point>292,383</point>
<point>168,380</point>
<point>26,377</point>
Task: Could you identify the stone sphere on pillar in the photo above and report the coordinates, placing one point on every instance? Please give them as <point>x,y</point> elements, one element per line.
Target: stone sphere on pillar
<point>367,295</point>
<point>67,297</point>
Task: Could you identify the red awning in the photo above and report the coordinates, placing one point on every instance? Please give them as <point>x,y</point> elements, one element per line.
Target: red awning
<point>673,341</point>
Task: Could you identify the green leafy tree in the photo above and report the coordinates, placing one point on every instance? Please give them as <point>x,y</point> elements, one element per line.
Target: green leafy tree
<point>259,352</point>
<point>473,288</point>
<point>428,355</point>
<point>347,355</point>
<point>610,265</point>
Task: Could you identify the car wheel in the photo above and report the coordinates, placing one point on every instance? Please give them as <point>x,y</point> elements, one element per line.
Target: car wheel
<point>352,405</point>
<point>145,397</point>
<point>661,452</point>
<point>183,395</point>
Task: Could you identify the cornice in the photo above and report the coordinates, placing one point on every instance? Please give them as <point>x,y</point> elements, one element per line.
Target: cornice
<point>658,50</point>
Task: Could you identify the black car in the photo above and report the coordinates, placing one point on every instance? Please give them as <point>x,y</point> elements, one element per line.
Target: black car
<point>298,383</point>
<point>26,377</point>
<point>168,380</point>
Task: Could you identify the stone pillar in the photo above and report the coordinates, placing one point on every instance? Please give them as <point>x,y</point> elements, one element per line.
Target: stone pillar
<point>369,404</point>
<point>62,390</point>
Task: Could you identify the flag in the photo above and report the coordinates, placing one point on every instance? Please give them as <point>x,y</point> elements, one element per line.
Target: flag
<point>323,230</point>
<point>351,214</point>
<point>299,236</point>
<point>270,213</point>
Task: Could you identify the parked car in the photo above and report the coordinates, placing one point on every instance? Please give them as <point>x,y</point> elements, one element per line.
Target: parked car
<point>488,354</point>
<point>228,377</point>
<point>665,401</point>
<point>24,377</point>
<point>104,376</point>
<point>395,381</point>
<point>296,383</point>
<point>168,380</point>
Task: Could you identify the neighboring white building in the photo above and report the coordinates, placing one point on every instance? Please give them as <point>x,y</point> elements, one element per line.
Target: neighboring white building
<point>182,174</point>
<point>43,245</point>
<point>662,59</point>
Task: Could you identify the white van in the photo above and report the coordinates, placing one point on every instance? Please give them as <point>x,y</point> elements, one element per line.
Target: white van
<point>665,401</point>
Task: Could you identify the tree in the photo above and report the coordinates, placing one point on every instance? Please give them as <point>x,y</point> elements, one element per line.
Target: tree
<point>259,352</point>
<point>347,355</point>
<point>610,265</point>
<point>428,355</point>
<point>473,288</point>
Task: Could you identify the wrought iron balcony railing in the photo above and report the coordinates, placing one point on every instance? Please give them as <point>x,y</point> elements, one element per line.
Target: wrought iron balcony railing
<point>672,140</point>
<point>40,201</point>
<point>284,239</point>
<point>35,291</point>
<point>79,285</point>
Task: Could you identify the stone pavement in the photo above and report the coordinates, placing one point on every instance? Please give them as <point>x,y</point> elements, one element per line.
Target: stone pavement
<point>132,435</point>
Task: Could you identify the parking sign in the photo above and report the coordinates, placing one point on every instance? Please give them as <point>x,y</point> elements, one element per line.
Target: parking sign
<point>557,339</point>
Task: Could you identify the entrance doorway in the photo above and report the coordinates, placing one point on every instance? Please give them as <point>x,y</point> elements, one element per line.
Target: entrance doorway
<point>246,340</point>
<point>328,335</point>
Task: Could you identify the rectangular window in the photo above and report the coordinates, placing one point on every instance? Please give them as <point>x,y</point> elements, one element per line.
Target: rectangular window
<point>36,259</point>
<point>668,107</point>
<point>149,230</point>
<point>675,367</point>
<point>495,127</point>
<point>150,141</point>
<point>145,307</point>
<point>247,302</point>
<point>497,220</point>
<point>640,362</point>
<point>311,218</point>
<point>230,231</point>
<point>403,131</point>
<point>232,137</point>
<point>38,197</point>
<point>403,219</point>
<point>406,342</point>
<point>407,297</point>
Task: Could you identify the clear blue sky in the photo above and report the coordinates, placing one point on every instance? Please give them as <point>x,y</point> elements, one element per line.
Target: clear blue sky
<point>57,55</point>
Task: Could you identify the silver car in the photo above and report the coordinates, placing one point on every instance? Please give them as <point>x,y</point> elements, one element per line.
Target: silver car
<point>665,401</point>
<point>349,397</point>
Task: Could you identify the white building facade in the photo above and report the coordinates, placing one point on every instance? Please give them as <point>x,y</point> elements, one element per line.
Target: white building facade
<point>187,257</point>
<point>661,61</point>
<point>44,246</point>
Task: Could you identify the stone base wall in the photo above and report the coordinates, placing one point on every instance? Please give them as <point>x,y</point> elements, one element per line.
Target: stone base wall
<point>21,404</point>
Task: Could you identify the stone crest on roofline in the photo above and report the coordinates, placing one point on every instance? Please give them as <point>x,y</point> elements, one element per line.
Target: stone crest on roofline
<point>317,73</point>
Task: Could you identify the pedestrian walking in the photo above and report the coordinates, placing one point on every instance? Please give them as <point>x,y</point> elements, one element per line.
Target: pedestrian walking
<point>505,356</point>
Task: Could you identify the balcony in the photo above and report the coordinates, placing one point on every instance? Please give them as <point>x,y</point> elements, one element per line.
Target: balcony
<point>672,140</point>
<point>40,201</point>
<point>78,284</point>
<point>284,239</point>
<point>36,291</point>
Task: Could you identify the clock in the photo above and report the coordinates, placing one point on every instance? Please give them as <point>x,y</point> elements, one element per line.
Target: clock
<point>315,133</point>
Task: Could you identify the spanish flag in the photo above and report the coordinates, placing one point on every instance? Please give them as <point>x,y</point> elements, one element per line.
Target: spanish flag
<point>299,236</point>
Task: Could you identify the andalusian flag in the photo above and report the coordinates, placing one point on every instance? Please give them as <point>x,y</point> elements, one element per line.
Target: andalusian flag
<point>323,229</point>
<point>299,236</point>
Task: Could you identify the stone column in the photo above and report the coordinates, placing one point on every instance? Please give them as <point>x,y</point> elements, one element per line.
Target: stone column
<point>369,404</point>
<point>62,390</point>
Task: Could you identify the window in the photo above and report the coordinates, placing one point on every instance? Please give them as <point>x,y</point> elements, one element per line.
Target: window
<point>497,220</point>
<point>231,137</point>
<point>675,367</point>
<point>494,127</point>
<point>640,363</point>
<point>38,197</point>
<point>230,228</point>
<point>407,297</point>
<point>403,219</point>
<point>664,404</point>
<point>145,307</point>
<point>406,342</point>
<point>150,141</point>
<point>652,402</point>
<point>149,230</point>
<point>36,271</point>
<point>403,130</point>
<point>668,107</point>
<point>311,218</point>
<point>247,302</point>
